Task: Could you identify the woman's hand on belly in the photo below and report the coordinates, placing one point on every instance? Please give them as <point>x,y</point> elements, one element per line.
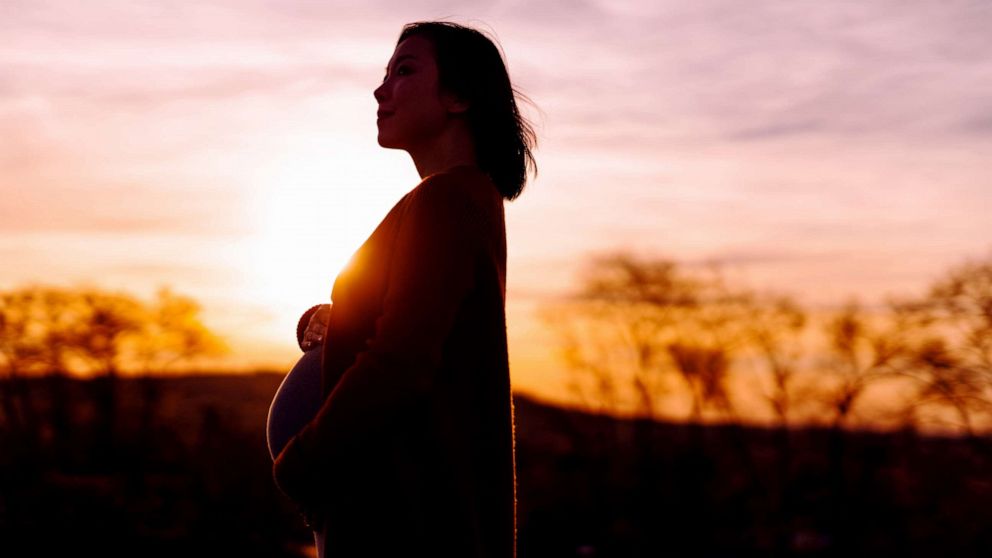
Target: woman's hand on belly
<point>316,326</point>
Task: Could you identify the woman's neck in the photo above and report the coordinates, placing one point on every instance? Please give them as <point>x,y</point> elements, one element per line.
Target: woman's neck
<point>453,147</point>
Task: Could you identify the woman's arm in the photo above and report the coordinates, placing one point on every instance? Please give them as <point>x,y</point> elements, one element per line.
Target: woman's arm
<point>432,272</point>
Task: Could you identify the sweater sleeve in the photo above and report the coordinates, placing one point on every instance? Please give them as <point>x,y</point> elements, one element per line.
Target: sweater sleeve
<point>431,274</point>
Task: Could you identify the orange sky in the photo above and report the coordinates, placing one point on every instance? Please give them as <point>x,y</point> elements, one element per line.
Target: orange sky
<point>228,148</point>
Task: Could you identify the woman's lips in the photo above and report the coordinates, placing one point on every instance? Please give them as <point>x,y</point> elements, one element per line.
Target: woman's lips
<point>383,114</point>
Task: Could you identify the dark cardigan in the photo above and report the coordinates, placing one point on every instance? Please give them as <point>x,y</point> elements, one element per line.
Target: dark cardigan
<point>412,452</point>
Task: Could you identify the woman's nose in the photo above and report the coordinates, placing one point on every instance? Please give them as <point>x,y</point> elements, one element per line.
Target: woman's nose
<point>379,92</point>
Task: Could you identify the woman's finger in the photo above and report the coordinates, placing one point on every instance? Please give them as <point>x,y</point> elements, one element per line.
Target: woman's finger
<point>318,322</point>
<point>312,338</point>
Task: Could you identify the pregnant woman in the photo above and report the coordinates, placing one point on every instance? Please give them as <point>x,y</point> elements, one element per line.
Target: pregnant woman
<point>410,450</point>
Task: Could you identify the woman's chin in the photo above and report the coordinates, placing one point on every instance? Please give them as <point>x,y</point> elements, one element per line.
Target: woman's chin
<point>388,143</point>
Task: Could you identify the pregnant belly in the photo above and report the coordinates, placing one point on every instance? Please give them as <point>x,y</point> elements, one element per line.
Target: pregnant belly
<point>296,401</point>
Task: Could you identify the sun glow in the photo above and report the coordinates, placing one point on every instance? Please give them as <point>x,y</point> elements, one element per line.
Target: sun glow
<point>318,200</point>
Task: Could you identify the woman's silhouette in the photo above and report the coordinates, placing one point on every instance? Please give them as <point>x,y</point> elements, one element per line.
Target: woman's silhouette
<point>412,450</point>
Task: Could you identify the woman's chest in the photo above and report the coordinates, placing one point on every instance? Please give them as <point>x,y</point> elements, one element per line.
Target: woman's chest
<point>359,288</point>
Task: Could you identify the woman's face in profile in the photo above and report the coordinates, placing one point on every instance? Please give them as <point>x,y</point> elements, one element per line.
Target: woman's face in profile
<point>411,111</point>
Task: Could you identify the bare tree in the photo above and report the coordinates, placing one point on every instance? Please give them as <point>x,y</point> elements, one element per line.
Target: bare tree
<point>774,327</point>
<point>705,372</point>
<point>712,336</point>
<point>612,333</point>
<point>952,362</point>
<point>173,333</point>
<point>862,351</point>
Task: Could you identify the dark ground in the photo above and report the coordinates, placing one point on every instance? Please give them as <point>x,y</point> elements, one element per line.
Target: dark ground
<point>185,471</point>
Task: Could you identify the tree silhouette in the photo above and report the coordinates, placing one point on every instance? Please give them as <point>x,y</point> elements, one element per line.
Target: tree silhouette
<point>705,372</point>
<point>645,325</point>
<point>862,350</point>
<point>774,327</point>
<point>617,326</point>
<point>952,362</point>
<point>52,333</point>
<point>173,333</point>
<point>642,327</point>
<point>711,338</point>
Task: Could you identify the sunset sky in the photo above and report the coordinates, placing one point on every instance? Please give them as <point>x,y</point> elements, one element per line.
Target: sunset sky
<point>228,148</point>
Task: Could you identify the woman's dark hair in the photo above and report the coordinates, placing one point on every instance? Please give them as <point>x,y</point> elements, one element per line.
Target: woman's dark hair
<point>471,68</point>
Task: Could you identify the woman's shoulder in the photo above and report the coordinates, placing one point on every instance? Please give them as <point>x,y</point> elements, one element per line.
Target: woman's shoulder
<point>460,184</point>
<point>465,197</point>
